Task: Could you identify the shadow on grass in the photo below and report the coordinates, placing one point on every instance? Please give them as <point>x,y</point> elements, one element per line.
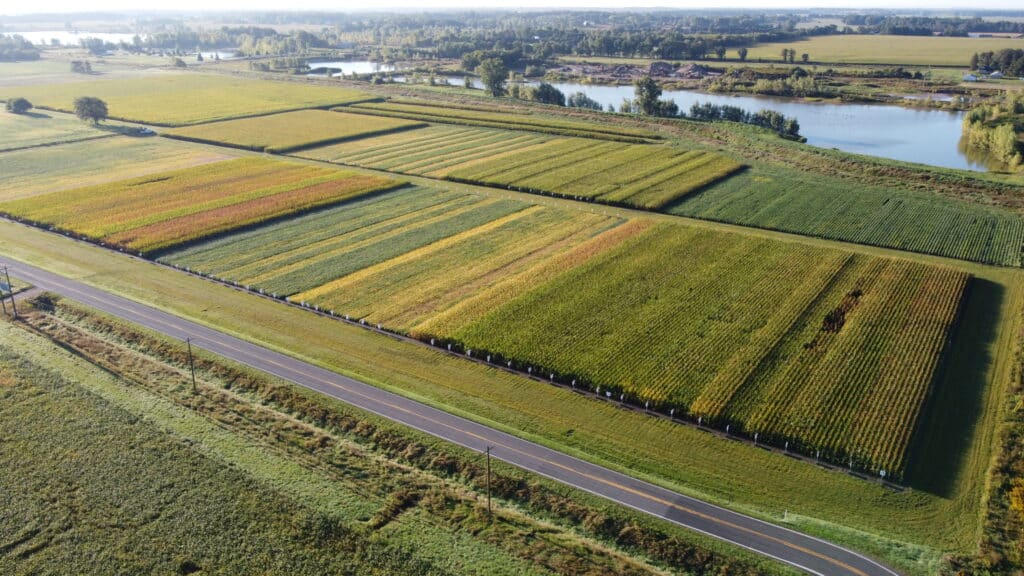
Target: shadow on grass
<point>123,130</point>
<point>40,115</point>
<point>946,431</point>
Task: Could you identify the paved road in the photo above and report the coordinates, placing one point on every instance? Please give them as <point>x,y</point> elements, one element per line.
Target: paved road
<point>809,554</point>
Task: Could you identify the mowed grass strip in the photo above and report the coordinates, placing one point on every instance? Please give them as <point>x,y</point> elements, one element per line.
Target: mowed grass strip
<point>156,212</point>
<point>38,129</point>
<point>490,119</point>
<point>33,171</point>
<point>291,131</point>
<point>175,99</point>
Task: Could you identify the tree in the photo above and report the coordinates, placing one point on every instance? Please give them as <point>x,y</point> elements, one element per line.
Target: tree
<point>548,94</point>
<point>493,73</point>
<point>581,100</point>
<point>91,109</point>
<point>720,52</point>
<point>18,105</point>
<point>785,54</point>
<point>468,81</point>
<point>742,54</point>
<point>178,63</point>
<point>805,57</point>
<point>647,93</point>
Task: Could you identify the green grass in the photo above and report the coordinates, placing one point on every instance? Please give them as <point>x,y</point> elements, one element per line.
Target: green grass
<point>174,99</point>
<point>53,168</point>
<point>912,529</point>
<point>291,131</point>
<point>95,481</point>
<point>782,199</point>
<point>893,50</point>
<point>39,128</point>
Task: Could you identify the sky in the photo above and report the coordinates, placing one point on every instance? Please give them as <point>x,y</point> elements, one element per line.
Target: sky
<point>65,6</point>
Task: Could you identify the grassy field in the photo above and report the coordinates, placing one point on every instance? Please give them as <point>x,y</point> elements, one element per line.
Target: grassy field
<point>293,131</point>
<point>174,99</point>
<point>466,269</point>
<point>334,488</point>
<point>483,116</point>
<point>782,199</point>
<point>159,211</point>
<point>39,128</point>
<point>893,50</point>
<point>52,168</point>
<point>912,529</point>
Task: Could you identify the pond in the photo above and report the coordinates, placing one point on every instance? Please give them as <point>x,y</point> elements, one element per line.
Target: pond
<point>357,67</point>
<point>921,135</point>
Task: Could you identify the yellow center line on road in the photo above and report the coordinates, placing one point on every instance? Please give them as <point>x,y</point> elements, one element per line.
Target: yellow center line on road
<point>397,408</point>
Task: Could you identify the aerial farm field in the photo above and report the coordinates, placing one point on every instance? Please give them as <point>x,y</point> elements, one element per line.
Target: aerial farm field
<point>291,131</point>
<point>159,211</point>
<point>826,207</point>
<point>505,278</point>
<point>40,128</point>
<point>488,118</point>
<point>175,99</point>
<point>893,50</point>
<point>95,162</point>
<point>637,175</point>
<point>866,357</point>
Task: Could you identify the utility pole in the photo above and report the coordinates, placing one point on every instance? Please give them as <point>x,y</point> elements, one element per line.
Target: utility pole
<point>191,365</point>
<point>11,288</point>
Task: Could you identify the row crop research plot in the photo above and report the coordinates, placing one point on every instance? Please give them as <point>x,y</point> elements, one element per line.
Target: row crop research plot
<point>156,212</point>
<point>829,351</point>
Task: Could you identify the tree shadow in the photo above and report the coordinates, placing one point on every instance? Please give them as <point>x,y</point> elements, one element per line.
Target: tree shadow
<point>951,418</point>
<point>32,114</point>
<point>123,130</point>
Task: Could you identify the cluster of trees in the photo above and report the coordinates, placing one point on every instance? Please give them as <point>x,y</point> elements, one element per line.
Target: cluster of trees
<point>1008,61</point>
<point>789,55</point>
<point>81,67</point>
<point>928,26</point>
<point>769,119</point>
<point>797,83</point>
<point>18,105</point>
<point>15,48</point>
<point>994,129</point>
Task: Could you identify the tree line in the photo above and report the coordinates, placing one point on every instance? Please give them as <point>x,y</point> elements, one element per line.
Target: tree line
<point>929,26</point>
<point>15,48</point>
<point>1008,61</point>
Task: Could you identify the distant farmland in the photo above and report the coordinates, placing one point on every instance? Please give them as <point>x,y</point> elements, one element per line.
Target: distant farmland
<point>291,131</point>
<point>159,211</point>
<point>884,49</point>
<point>172,99</point>
<point>829,351</point>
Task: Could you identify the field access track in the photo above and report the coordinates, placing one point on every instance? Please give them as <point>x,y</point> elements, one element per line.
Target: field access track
<point>805,552</point>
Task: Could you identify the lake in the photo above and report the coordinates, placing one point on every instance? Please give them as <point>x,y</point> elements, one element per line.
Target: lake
<point>925,136</point>
<point>357,67</point>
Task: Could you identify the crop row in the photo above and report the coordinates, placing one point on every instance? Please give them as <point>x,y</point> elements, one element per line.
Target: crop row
<point>650,177</point>
<point>292,131</point>
<point>156,212</point>
<point>490,119</point>
<point>913,221</point>
<point>795,343</point>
